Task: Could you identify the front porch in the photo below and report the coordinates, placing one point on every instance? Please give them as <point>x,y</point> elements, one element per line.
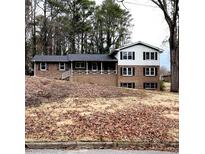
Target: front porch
<point>89,67</point>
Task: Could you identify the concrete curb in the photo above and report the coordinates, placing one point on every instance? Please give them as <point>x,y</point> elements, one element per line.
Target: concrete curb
<point>98,145</point>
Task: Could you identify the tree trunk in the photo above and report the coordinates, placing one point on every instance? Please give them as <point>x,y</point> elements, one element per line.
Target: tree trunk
<point>45,30</point>
<point>174,59</point>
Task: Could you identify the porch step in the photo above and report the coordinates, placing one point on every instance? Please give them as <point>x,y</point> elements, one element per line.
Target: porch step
<point>65,75</point>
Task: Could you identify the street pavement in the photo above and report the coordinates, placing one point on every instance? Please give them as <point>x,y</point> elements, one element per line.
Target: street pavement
<point>46,151</point>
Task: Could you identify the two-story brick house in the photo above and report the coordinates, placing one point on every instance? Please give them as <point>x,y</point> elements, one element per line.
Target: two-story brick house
<point>134,66</point>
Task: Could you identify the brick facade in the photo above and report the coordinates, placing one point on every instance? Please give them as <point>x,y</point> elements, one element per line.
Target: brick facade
<point>101,79</point>
<point>51,72</point>
<point>139,79</point>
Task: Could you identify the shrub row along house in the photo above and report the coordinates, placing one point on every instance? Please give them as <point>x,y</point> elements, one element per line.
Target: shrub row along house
<point>133,66</point>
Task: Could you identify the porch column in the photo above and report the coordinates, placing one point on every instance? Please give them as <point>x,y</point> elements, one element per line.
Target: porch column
<point>86,67</point>
<point>116,68</point>
<point>71,68</point>
<point>101,66</point>
<point>108,70</point>
<point>34,69</point>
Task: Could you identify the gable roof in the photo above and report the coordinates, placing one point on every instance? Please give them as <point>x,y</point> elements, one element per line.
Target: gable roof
<point>73,57</point>
<point>137,43</point>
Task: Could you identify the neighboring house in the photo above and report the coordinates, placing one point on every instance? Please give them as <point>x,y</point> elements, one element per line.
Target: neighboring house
<point>134,66</point>
<point>165,77</point>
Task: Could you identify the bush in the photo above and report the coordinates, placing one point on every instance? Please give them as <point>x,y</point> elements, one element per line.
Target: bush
<point>162,86</point>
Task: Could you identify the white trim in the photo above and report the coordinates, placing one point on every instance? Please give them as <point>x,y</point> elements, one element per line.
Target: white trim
<point>41,66</point>
<point>101,68</point>
<point>150,85</point>
<point>86,67</point>
<point>127,55</point>
<point>127,71</point>
<point>80,64</point>
<point>59,66</point>
<point>126,84</point>
<point>34,69</point>
<point>150,57</point>
<point>150,71</point>
<point>96,66</point>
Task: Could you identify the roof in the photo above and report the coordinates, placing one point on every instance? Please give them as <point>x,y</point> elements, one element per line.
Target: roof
<point>73,57</point>
<point>49,58</point>
<point>137,43</point>
<point>90,57</point>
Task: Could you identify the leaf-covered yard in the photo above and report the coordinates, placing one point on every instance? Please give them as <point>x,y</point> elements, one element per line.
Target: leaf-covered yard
<point>64,111</point>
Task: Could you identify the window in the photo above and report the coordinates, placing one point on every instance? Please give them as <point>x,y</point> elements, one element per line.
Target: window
<point>128,85</point>
<point>152,55</point>
<point>62,66</point>
<point>94,66</point>
<point>124,55</point>
<point>127,55</point>
<point>130,55</point>
<point>80,65</point>
<point>149,55</point>
<point>150,71</point>
<point>150,85</point>
<point>43,66</point>
<point>127,71</point>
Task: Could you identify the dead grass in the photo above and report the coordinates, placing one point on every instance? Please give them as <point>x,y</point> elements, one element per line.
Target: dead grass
<point>124,115</point>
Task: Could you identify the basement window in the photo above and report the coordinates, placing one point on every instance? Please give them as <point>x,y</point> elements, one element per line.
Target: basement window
<point>150,85</point>
<point>62,66</point>
<point>128,85</point>
<point>43,66</point>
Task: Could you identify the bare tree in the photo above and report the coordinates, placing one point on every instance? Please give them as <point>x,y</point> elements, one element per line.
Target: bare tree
<point>170,9</point>
<point>163,70</point>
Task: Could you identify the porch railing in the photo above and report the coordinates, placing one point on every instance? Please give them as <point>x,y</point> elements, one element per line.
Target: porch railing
<point>65,74</point>
<point>94,72</point>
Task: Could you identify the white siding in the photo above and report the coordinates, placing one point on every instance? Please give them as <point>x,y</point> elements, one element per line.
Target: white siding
<point>138,49</point>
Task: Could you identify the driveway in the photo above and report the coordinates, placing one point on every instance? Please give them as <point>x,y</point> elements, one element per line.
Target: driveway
<point>44,151</point>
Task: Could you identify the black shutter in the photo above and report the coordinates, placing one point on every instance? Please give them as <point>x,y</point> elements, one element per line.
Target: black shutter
<point>133,70</point>
<point>144,71</point>
<point>46,65</point>
<point>121,55</point>
<point>39,65</point>
<point>133,55</point>
<point>155,55</point>
<point>120,70</point>
<point>143,55</point>
<point>58,64</point>
<point>156,85</point>
<point>133,85</point>
<point>156,71</point>
<point>144,85</point>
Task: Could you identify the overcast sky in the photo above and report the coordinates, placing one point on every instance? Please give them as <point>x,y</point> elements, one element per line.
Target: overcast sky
<point>149,25</point>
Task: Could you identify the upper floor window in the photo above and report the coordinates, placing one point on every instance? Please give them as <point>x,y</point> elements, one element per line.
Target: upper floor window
<point>127,71</point>
<point>43,66</point>
<point>150,55</point>
<point>62,66</point>
<point>80,65</point>
<point>150,71</point>
<point>126,55</point>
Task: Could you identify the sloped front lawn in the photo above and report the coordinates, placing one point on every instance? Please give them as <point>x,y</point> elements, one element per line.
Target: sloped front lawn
<point>64,111</point>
